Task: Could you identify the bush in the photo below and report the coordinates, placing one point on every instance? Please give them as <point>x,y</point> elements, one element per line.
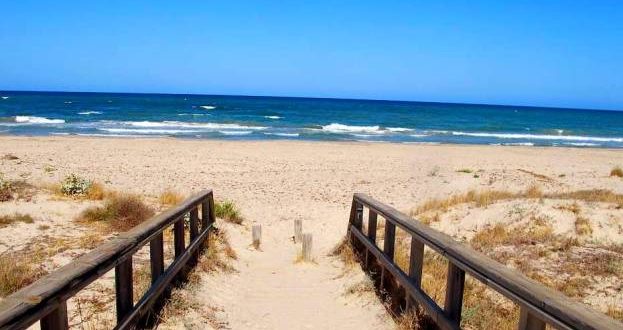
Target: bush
<point>228,211</point>
<point>17,272</point>
<point>6,193</point>
<point>6,220</point>
<point>617,171</point>
<point>120,212</point>
<point>74,185</point>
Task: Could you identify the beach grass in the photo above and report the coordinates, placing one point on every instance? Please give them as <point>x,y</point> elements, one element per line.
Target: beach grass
<point>228,211</point>
<point>120,212</point>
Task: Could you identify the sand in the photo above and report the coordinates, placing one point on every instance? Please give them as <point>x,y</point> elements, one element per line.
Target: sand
<point>274,183</point>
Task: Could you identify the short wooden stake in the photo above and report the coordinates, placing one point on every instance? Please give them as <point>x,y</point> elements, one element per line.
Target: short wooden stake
<point>307,247</point>
<point>298,230</point>
<point>256,231</point>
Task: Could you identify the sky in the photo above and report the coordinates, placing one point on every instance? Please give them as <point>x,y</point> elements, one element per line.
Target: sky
<point>559,53</point>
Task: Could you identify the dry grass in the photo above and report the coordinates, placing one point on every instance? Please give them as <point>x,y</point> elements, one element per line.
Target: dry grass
<point>96,192</point>
<point>488,197</point>
<point>17,271</point>
<point>617,171</point>
<point>120,212</point>
<point>6,220</point>
<point>344,251</point>
<point>170,197</point>
<point>218,254</point>
<point>360,288</point>
<point>583,226</point>
<point>228,211</point>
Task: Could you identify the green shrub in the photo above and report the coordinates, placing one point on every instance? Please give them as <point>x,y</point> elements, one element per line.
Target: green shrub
<point>228,211</point>
<point>74,185</point>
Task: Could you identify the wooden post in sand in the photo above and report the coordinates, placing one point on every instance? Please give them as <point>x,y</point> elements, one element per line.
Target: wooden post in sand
<point>256,231</point>
<point>298,230</point>
<point>307,247</point>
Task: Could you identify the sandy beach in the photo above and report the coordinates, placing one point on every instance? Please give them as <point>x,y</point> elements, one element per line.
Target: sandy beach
<point>274,183</point>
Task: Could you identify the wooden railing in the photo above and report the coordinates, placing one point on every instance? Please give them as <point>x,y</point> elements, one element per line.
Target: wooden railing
<point>538,305</point>
<point>46,299</point>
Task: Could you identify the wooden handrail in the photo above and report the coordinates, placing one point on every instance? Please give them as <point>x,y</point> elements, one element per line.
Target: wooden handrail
<point>539,304</point>
<point>46,299</point>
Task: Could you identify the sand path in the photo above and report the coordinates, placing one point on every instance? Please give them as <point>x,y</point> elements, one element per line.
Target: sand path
<point>271,291</point>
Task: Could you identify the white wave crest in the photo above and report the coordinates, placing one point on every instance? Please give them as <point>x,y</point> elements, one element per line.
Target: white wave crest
<point>399,129</point>
<point>37,120</point>
<point>146,131</point>
<point>5,97</point>
<point>86,113</point>
<point>340,128</point>
<point>540,137</point>
<point>208,107</point>
<point>284,134</point>
<point>235,132</point>
<point>179,124</point>
<point>273,117</point>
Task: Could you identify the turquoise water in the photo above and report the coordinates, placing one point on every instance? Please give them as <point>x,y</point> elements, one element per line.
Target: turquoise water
<point>268,118</point>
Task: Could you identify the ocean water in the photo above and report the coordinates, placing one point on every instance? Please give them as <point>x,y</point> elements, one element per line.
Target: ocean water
<point>278,118</point>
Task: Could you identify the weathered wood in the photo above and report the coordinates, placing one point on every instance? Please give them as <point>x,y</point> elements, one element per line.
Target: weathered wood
<point>205,214</point>
<point>372,219</point>
<point>193,224</point>
<point>547,304</point>
<point>56,319</point>
<point>454,293</point>
<point>358,221</point>
<point>124,290</point>
<point>256,235</point>
<point>527,321</point>
<point>307,247</point>
<point>429,305</point>
<point>34,302</point>
<point>156,257</point>
<point>389,240</point>
<point>178,237</point>
<point>298,230</point>
<point>416,262</point>
<point>154,293</point>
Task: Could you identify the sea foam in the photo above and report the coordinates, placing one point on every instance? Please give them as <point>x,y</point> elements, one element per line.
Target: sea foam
<point>540,137</point>
<point>86,113</point>
<point>208,107</point>
<point>340,128</point>
<point>179,124</point>
<point>37,120</point>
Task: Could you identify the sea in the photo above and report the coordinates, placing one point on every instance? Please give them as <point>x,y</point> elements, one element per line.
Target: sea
<point>310,119</point>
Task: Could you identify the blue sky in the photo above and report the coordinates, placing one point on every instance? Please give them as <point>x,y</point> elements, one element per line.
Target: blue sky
<point>551,53</point>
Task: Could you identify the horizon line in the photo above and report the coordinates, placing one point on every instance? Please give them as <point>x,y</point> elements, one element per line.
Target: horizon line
<point>318,98</point>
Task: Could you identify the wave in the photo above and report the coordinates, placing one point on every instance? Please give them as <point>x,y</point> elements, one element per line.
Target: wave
<point>68,102</point>
<point>208,107</point>
<point>283,134</point>
<point>119,135</point>
<point>192,114</point>
<point>235,132</point>
<point>86,113</point>
<point>540,137</point>
<point>418,135</point>
<point>147,130</point>
<point>399,129</point>
<point>273,117</point>
<point>37,120</point>
<point>5,97</point>
<point>340,128</point>
<point>583,144</point>
<point>214,126</point>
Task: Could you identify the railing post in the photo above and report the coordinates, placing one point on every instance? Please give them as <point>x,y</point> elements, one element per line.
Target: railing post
<point>178,237</point>
<point>372,226</point>
<point>205,214</point>
<point>454,293</point>
<point>156,257</point>
<point>56,319</point>
<point>194,224</point>
<point>372,216</point>
<point>416,262</point>
<point>527,321</point>
<point>124,289</point>
<point>390,239</point>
